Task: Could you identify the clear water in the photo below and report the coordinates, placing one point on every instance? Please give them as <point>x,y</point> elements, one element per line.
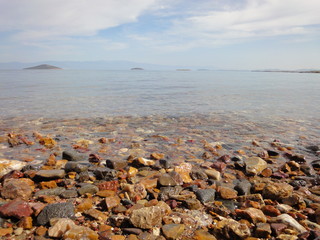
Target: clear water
<point>88,93</point>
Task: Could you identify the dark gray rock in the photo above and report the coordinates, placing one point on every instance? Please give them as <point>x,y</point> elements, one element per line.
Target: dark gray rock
<point>243,187</point>
<point>55,210</point>
<point>69,194</point>
<point>50,192</point>
<point>74,156</point>
<point>105,173</point>
<point>88,188</point>
<point>77,167</point>
<point>206,195</point>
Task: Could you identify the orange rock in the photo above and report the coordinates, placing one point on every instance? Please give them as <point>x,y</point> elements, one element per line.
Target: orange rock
<point>78,232</point>
<point>227,193</point>
<point>5,231</point>
<point>47,199</point>
<point>132,172</point>
<point>184,170</point>
<point>41,231</point>
<point>47,185</point>
<point>47,142</point>
<point>111,202</point>
<point>25,223</point>
<point>118,237</point>
<point>85,205</point>
<point>157,156</point>
<point>106,193</point>
<point>51,160</point>
<point>149,183</point>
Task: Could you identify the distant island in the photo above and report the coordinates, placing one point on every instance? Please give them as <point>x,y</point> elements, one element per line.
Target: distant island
<point>289,71</point>
<point>43,67</point>
<point>137,68</point>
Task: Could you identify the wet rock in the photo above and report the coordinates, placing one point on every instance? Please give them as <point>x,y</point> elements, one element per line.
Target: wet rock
<point>172,231</point>
<point>50,192</point>
<point>79,232</point>
<point>74,156</point>
<point>117,165</point>
<point>263,230</point>
<point>7,166</point>
<point>166,192</point>
<point>16,208</point>
<point>60,227</point>
<point>252,214</point>
<point>206,195</point>
<point>55,210</point>
<point>88,188</point>
<point>203,235</point>
<point>105,173</point>
<point>198,173</point>
<point>50,174</point>
<point>313,148</point>
<point>193,204</point>
<point>231,229</point>
<point>184,170</point>
<point>142,162</point>
<point>77,167</point>
<point>170,179</point>
<point>146,217</point>
<point>242,186</point>
<point>213,174</point>
<point>255,165</point>
<point>69,194</point>
<point>16,188</point>
<point>227,193</point>
<point>277,191</point>
<point>135,191</point>
<point>270,210</point>
<point>287,219</point>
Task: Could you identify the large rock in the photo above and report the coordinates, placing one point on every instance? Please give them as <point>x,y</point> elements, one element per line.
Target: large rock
<point>146,217</point>
<point>60,227</point>
<point>252,214</point>
<point>231,229</point>
<point>172,231</point>
<point>7,166</point>
<point>206,195</point>
<point>277,191</point>
<point>55,210</point>
<point>255,165</point>
<point>213,174</point>
<point>16,188</point>
<point>16,208</point>
<point>287,219</point>
<point>50,174</point>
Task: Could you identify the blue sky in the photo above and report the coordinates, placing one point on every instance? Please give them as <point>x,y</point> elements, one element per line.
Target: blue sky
<point>224,34</point>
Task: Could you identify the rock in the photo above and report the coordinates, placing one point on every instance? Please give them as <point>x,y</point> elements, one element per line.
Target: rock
<point>70,193</point>
<point>270,210</point>
<point>74,156</point>
<point>105,173</point>
<point>25,223</point>
<point>117,165</point>
<point>278,228</point>
<point>86,204</point>
<point>78,232</point>
<point>112,202</point>
<point>135,191</point>
<point>263,230</point>
<point>88,188</point>
<point>55,210</point>
<point>255,165</point>
<point>5,231</point>
<point>16,188</point>
<point>206,195</point>
<point>251,197</point>
<point>184,169</point>
<point>48,185</point>
<point>166,192</point>
<point>60,227</point>
<point>227,193</point>
<point>277,191</point>
<point>252,214</point>
<point>172,231</point>
<point>7,166</point>
<point>287,219</point>
<point>50,192</point>
<point>231,229</point>
<point>242,186</point>
<point>77,167</point>
<point>198,173</point>
<point>203,235</point>
<point>193,204</point>
<point>170,179</point>
<point>50,174</point>
<point>16,208</point>
<point>213,174</point>
<point>96,214</point>
<point>141,162</point>
<point>146,217</point>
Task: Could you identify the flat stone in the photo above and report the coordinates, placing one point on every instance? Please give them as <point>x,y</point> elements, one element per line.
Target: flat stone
<point>5,231</point>
<point>166,192</point>
<point>16,208</point>
<point>60,227</point>
<point>116,164</point>
<point>88,188</point>
<point>78,232</point>
<point>198,173</point>
<point>203,235</point>
<point>6,166</point>
<point>146,217</point>
<point>255,165</point>
<point>172,231</point>
<point>74,156</point>
<point>278,228</point>
<point>242,186</point>
<point>55,210</point>
<point>69,194</point>
<point>50,174</point>
<point>170,179</point>
<point>206,195</point>
<point>231,229</point>
<point>184,170</point>
<point>105,173</point>
<point>252,214</point>
<point>287,219</point>
<point>112,202</point>
<point>277,191</point>
<point>16,188</point>
<point>50,192</point>
<point>263,230</point>
<point>96,214</point>
<point>213,174</point>
<point>77,167</point>
<point>227,193</point>
<point>193,204</point>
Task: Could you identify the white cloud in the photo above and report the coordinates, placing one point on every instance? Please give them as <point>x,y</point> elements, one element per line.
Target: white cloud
<point>42,19</point>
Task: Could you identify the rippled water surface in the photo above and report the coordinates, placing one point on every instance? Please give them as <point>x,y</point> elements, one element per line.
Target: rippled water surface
<point>87,93</point>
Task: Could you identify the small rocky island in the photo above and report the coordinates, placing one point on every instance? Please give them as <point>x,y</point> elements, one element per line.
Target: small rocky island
<point>137,68</point>
<point>43,67</point>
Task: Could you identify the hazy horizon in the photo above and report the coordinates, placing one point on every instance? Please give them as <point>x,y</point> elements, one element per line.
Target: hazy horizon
<point>245,34</point>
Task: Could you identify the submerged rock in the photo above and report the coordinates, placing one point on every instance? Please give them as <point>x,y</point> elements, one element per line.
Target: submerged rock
<point>255,165</point>
<point>7,166</point>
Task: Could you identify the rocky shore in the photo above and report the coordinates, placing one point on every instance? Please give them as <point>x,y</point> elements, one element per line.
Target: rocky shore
<point>158,178</point>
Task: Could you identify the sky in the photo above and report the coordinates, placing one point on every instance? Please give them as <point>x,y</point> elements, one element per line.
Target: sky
<point>222,34</point>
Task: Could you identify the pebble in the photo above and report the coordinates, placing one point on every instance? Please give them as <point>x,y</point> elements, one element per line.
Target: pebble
<point>16,188</point>
<point>74,156</point>
<point>255,165</point>
<point>60,227</point>
<point>146,217</point>
<point>55,210</point>
<point>88,188</point>
<point>277,191</point>
<point>50,174</point>
<point>16,208</point>
<point>206,195</point>
<point>213,174</point>
<point>172,231</point>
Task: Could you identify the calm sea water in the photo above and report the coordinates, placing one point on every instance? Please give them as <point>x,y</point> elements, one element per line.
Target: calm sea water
<point>87,93</point>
